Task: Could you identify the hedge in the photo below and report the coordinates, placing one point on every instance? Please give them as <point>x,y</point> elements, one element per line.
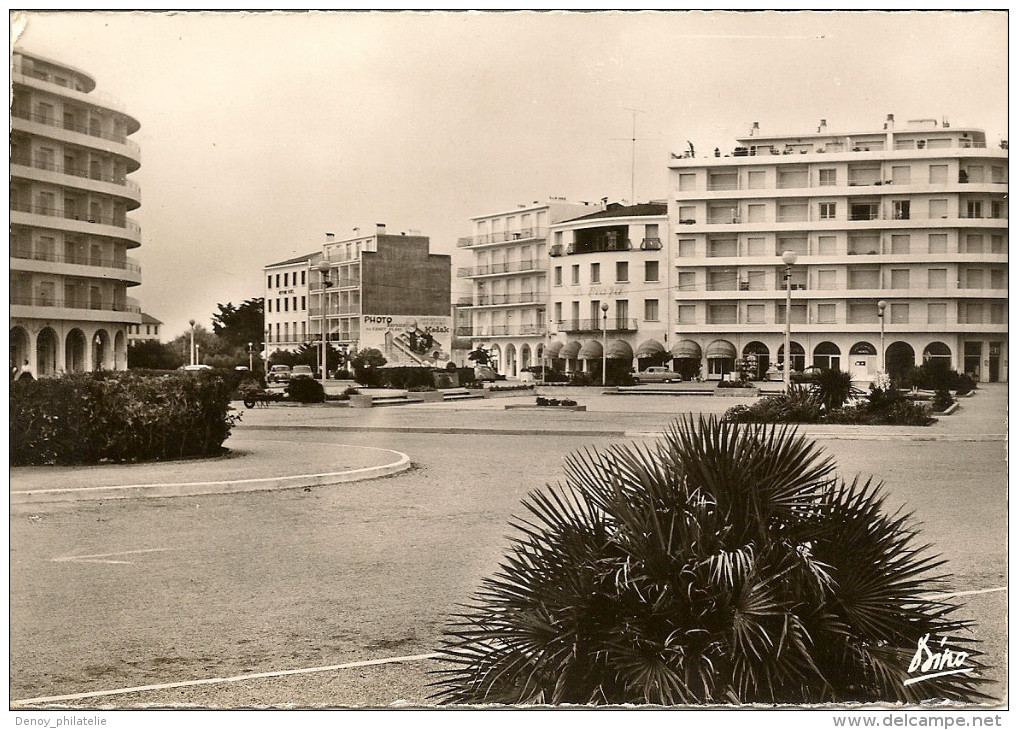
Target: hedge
<point>91,418</point>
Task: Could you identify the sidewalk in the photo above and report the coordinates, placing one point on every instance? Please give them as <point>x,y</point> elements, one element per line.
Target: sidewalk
<point>980,417</point>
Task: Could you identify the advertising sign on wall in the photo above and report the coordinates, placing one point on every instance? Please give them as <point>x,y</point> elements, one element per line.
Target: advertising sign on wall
<point>408,340</point>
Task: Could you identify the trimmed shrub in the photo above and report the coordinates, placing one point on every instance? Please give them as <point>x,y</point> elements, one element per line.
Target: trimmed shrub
<point>723,564</point>
<point>90,418</point>
<point>942,400</point>
<point>305,390</point>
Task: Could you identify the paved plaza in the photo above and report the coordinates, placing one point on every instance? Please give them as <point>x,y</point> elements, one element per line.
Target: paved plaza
<point>337,593</point>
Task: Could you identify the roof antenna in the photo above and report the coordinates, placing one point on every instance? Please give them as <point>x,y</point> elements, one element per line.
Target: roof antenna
<point>632,166</point>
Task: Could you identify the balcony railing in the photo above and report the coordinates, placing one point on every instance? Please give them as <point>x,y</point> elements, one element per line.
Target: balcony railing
<point>116,221</point>
<point>76,172</point>
<point>651,244</point>
<point>80,128</point>
<point>520,234</point>
<point>73,303</point>
<point>497,330</point>
<point>596,325</point>
<point>507,267</point>
<point>19,252</point>
<point>484,300</point>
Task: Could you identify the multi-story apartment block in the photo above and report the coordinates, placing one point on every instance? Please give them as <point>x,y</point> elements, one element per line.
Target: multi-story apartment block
<point>286,303</point>
<point>609,287</point>
<point>507,308</point>
<point>382,291</point>
<point>148,329</point>
<point>912,217</point>
<point>70,233</point>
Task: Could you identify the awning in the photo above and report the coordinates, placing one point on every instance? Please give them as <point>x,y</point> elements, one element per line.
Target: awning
<point>591,350</point>
<point>720,348</point>
<point>569,350</point>
<point>619,350</point>
<point>553,349</point>
<point>648,348</point>
<point>686,348</point>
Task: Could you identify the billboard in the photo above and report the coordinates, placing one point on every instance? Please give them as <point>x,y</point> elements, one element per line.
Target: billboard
<point>408,340</point>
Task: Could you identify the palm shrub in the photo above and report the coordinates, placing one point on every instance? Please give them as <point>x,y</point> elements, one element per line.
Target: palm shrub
<point>726,564</point>
<point>832,388</point>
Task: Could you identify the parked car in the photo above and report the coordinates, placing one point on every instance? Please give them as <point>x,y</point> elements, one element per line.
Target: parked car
<point>195,368</point>
<point>658,374</point>
<point>278,374</point>
<point>302,371</point>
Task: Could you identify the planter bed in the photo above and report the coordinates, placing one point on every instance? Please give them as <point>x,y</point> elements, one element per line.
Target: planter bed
<point>737,392</point>
<point>530,407</point>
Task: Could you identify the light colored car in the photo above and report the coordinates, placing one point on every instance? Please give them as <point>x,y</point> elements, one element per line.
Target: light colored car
<point>656,375</point>
<point>195,368</point>
<point>302,371</point>
<point>278,374</point>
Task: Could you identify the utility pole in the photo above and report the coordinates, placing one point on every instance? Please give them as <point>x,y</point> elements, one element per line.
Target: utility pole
<point>632,160</point>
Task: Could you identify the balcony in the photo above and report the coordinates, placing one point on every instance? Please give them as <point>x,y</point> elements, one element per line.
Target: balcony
<point>134,190</point>
<point>614,324</point>
<point>74,303</point>
<point>651,244</point>
<point>79,128</point>
<point>488,300</point>
<point>507,267</point>
<point>115,221</point>
<point>486,239</point>
<point>500,330</point>
<point>127,264</point>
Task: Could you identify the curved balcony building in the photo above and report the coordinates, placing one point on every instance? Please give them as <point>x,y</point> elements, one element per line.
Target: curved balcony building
<point>913,217</point>
<point>70,231</point>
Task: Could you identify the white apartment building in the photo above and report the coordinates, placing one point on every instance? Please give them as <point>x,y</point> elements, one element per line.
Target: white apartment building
<point>286,303</point>
<point>610,287</point>
<point>69,230</point>
<point>913,216</point>
<point>507,308</point>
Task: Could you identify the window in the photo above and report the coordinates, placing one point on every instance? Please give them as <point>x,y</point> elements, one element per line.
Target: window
<point>558,276</point>
<point>295,309</point>
<point>687,214</point>
<point>687,281</point>
<point>286,304</point>
<point>974,209</point>
<point>798,244</point>
<point>997,175</point>
<point>755,280</point>
<point>997,313</point>
<point>938,174</point>
<point>621,271</point>
<point>864,278</point>
<point>286,331</point>
<point>268,284</point>
<point>996,244</point>
<point>899,313</point>
<point>686,314</point>
<point>723,247</point>
<point>650,310</point>
<point>997,209</point>
<point>595,312</point>
<point>973,278</point>
<point>575,279</point>
<point>756,246</point>
<point>286,279</point>
<point>722,314</point>
<point>972,312</point>
<point>863,211</point>
<point>901,209</point>
<point>798,314</point>
<point>277,305</point>
<point>997,279</point>
<point>973,243</point>
<point>687,181</point>
<point>277,281</point>
<point>595,273</point>
<point>901,174</point>
<point>651,271</point>
<point>757,179</point>
<point>827,313</point>
<point>303,278</point>
<point>827,211</point>
<point>687,247</point>
<point>827,279</point>
<point>756,313</point>
<point>938,243</point>
<point>269,302</point>
<point>829,176</point>
<point>900,243</point>
<point>899,278</point>
<point>756,212</point>
<point>827,245</point>
<point>303,303</point>
<point>938,208</point>
<point>558,311</point>
<point>937,279</point>
<point>936,313</point>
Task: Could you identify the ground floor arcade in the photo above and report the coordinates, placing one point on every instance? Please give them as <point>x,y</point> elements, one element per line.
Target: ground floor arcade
<point>44,348</point>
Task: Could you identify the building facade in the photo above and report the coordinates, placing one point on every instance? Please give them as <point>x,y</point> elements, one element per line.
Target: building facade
<point>609,288</point>
<point>900,242</point>
<point>506,310</point>
<point>383,291</point>
<point>70,232</point>
<point>148,329</point>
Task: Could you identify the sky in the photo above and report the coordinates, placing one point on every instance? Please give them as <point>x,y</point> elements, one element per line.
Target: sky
<point>260,132</point>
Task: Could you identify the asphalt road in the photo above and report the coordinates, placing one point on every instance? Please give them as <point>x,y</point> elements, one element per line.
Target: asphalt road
<point>215,586</point>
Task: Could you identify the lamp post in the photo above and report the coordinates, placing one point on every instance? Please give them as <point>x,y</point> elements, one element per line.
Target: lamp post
<point>604,344</point>
<point>191,322</point>
<point>788,257</point>
<point>250,357</point>
<point>197,354</point>
<point>323,269</point>
<point>881,306</point>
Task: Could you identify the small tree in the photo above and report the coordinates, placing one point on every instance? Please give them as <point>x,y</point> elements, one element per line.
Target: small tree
<point>365,364</point>
<point>479,356</point>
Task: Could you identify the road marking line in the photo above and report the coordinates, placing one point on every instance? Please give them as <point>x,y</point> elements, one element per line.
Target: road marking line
<point>93,558</point>
<point>220,680</point>
<point>312,670</point>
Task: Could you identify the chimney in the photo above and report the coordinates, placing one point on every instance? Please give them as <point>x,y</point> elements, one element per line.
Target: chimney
<point>889,124</point>
<point>379,229</point>
<point>330,237</point>
<point>755,130</point>
<point>823,126</point>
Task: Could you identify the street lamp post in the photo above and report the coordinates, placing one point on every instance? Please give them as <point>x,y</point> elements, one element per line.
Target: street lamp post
<point>788,257</point>
<point>323,269</point>
<point>191,322</point>
<point>197,354</point>
<point>881,306</point>
<point>604,344</point>
<point>250,357</point>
